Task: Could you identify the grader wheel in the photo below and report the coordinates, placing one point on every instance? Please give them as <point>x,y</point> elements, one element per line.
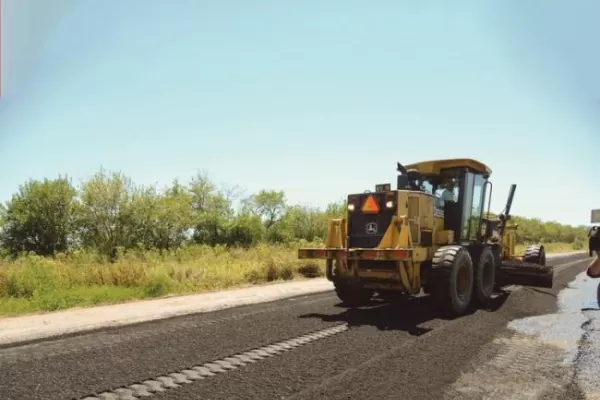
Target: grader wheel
<point>453,276</point>
<point>535,254</point>
<point>352,295</point>
<point>485,276</point>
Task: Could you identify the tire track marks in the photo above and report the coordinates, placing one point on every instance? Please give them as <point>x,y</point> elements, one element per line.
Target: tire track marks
<point>176,379</point>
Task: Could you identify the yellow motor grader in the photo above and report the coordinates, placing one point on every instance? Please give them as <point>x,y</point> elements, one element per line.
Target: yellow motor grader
<point>429,234</point>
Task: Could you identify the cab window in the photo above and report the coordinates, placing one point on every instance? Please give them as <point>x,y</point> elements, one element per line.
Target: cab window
<point>446,192</point>
<point>477,205</point>
<point>473,205</point>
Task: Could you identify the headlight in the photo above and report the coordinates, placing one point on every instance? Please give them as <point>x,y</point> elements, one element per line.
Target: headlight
<point>350,207</point>
<point>389,204</point>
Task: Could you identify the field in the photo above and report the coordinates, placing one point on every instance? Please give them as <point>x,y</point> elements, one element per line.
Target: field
<point>34,283</point>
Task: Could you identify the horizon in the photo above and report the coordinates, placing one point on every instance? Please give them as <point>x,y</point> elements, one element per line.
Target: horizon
<point>317,100</point>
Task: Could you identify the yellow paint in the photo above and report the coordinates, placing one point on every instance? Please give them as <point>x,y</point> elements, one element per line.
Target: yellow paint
<point>336,234</point>
<point>434,167</point>
<point>413,222</point>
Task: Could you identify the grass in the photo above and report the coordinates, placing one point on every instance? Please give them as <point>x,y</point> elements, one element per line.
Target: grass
<point>34,284</point>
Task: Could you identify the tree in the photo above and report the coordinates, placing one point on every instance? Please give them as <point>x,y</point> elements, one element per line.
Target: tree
<point>161,220</point>
<point>40,217</point>
<point>268,205</point>
<point>305,223</point>
<point>244,230</point>
<point>110,212</point>
<point>174,217</point>
<point>108,218</point>
<point>212,210</point>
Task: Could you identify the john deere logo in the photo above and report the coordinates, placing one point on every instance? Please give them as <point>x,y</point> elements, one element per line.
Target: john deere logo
<point>371,228</point>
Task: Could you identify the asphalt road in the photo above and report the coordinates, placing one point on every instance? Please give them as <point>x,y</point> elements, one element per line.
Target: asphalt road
<point>379,352</point>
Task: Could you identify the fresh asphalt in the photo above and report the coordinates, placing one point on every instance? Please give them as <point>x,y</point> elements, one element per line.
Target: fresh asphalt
<point>386,352</point>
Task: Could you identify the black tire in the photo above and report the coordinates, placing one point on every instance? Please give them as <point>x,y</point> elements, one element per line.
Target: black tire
<point>485,276</point>
<point>535,254</point>
<point>329,270</point>
<point>352,295</point>
<point>497,252</point>
<point>453,275</point>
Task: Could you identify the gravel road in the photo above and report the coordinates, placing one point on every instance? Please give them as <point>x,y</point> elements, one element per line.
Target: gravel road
<point>309,348</point>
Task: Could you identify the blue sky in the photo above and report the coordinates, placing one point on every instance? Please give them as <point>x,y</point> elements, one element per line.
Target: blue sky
<point>316,98</point>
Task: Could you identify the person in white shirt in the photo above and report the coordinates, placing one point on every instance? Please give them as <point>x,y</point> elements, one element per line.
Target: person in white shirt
<point>448,193</point>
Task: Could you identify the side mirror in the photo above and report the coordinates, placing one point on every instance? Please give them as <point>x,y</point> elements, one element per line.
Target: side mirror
<point>402,182</point>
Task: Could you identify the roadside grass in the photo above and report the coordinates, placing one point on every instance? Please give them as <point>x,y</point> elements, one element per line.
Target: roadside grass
<point>38,284</point>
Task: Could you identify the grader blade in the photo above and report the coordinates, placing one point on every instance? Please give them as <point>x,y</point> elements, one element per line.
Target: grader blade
<point>526,274</point>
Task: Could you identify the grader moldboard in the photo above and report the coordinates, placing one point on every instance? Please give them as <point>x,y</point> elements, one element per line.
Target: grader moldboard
<point>430,234</point>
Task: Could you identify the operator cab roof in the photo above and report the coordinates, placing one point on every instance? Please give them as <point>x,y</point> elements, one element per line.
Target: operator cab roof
<point>434,167</point>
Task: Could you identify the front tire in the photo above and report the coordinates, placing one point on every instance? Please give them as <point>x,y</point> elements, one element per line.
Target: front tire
<point>485,276</point>
<point>452,273</point>
<point>351,294</point>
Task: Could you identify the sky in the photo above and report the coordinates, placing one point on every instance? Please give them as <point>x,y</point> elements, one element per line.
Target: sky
<point>318,99</point>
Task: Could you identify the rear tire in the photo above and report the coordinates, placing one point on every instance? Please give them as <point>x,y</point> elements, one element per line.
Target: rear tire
<point>452,273</point>
<point>485,276</point>
<point>535,254</point>
<point>351,294</point>
<point>497,252</point>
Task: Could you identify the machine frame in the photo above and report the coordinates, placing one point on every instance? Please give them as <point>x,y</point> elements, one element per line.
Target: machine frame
<point>404,242</point>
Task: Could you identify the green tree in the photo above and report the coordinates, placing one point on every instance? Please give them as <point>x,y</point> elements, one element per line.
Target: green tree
<point>161,220</point>
<point>336,210</point>
<point>305,223</point>
<point>174,217</point>
<point>244,230</point>
<point>268,205</point>
<point>212,210</point>
<point>111,212</point>
<point>108,213</point>
<point>40,217</point>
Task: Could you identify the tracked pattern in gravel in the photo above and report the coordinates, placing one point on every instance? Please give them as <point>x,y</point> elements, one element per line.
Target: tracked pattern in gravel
<point>73,367</point>
<point>521,368</point>
<point>198,372</point>
<point>542,357</point>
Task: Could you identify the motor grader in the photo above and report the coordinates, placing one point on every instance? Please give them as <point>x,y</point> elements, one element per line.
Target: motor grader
<point>431,234</point>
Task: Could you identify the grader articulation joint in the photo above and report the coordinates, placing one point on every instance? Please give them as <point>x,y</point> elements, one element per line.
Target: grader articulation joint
<point>431,233</point>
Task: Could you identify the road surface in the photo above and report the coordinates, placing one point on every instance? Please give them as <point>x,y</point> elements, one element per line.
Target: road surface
<point>309,347</point>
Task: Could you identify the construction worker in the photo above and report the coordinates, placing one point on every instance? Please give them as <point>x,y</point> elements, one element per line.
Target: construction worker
<point>448,193</point>
<point>593,270</point>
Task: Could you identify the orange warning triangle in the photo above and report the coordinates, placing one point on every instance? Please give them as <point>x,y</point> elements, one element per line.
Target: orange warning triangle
<point>370,206</point>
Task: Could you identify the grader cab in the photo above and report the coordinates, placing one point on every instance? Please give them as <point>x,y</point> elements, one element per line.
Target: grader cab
<point>432,234</point>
